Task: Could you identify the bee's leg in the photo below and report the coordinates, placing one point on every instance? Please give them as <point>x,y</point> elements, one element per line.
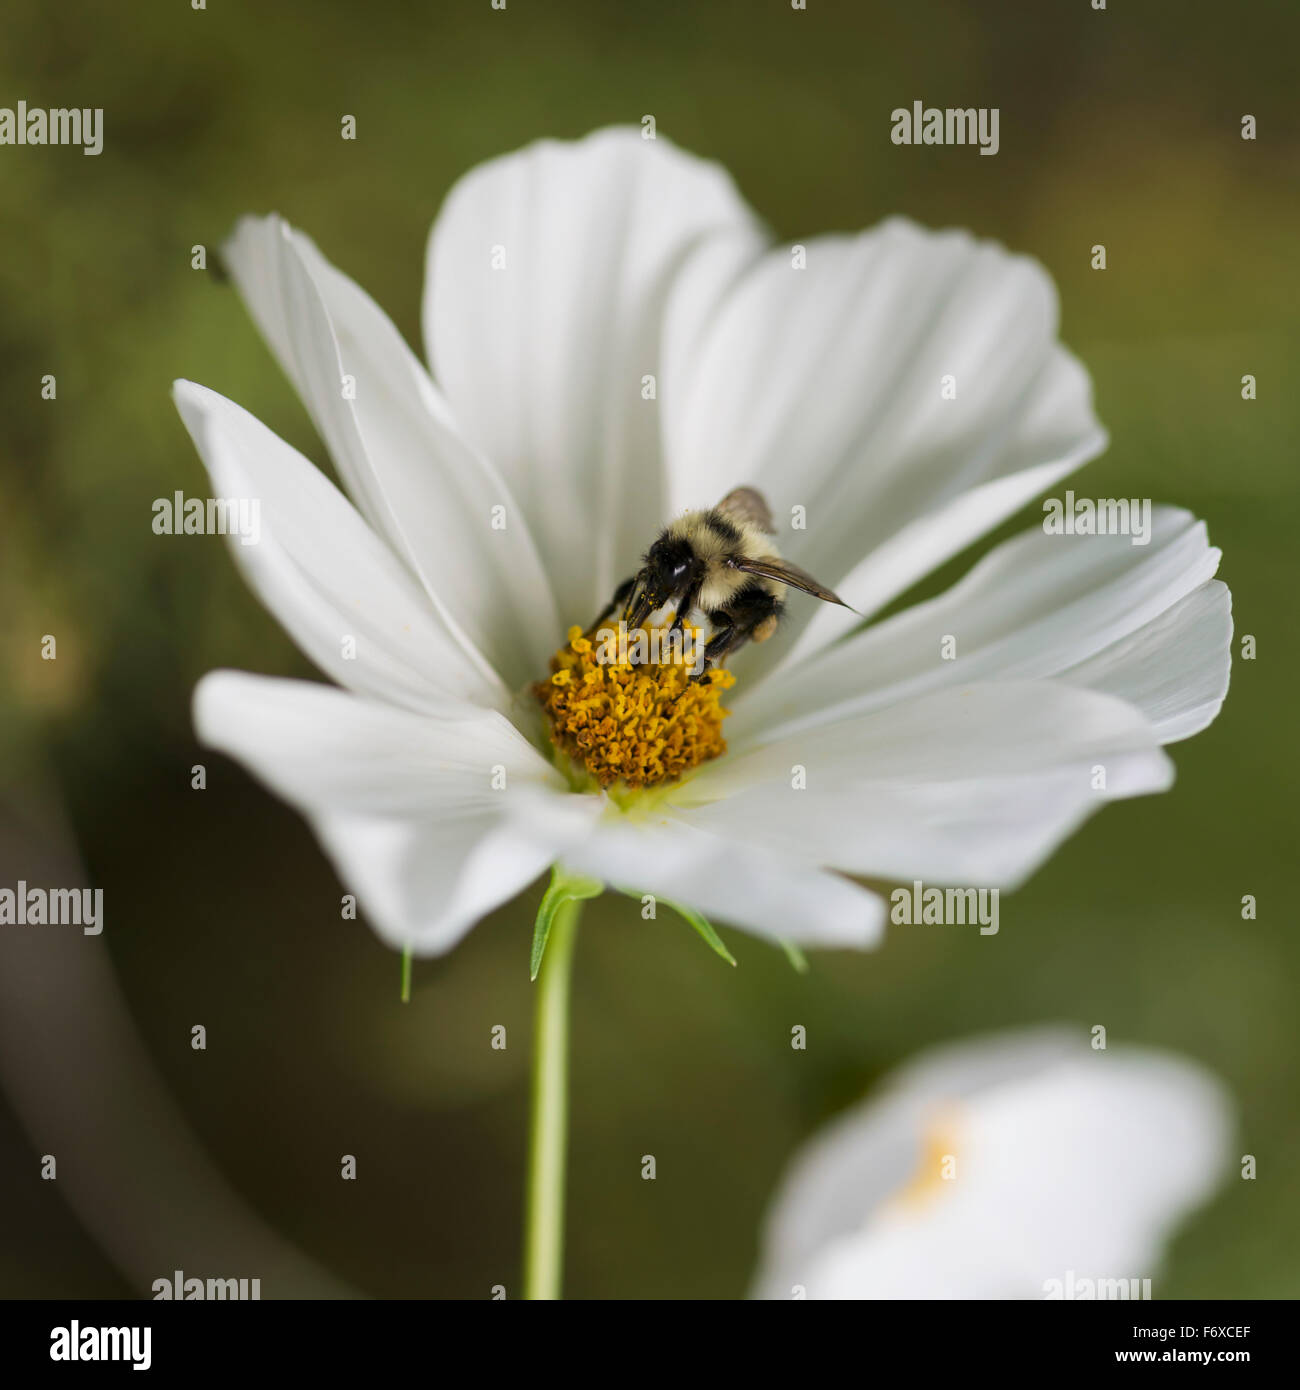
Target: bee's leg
<point>753,616</point>
<point>619,599</point>
<point>727,636</point>
<point>684,606</point>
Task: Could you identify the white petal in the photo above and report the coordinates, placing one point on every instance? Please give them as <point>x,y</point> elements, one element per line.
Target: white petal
<point>769,894</point>
<point>972,786</point>
<point>1176,668</point>
<point>1065,1160</point>
<point>823,387</point>
<point>1098,1159</point>
<point>397,449</point>
<point>870,1152</point>
<point>321,748</point>
<point>411,809</point>
<point>323,573</point>
<point>1140,622</point>
<point>426,883</point>
<point>542,356</point>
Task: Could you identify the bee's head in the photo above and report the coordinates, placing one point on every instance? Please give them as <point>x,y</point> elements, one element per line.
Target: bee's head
<point>670,570</point>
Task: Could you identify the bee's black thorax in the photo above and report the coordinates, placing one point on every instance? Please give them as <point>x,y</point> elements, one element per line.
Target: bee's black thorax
<point>722,528</point>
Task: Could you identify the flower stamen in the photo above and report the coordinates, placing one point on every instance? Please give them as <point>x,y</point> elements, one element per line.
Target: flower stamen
<point>937,1166</point>
<point>639,722</point>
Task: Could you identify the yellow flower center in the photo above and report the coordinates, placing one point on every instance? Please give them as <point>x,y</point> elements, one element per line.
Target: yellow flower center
<point>639,722</point>
<point>938,1164</point>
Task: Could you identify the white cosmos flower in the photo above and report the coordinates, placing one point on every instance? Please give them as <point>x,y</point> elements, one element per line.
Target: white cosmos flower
<point>992,1168</point>
<point>499,497</point>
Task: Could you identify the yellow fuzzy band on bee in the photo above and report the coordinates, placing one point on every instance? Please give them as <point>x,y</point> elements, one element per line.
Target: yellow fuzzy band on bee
<point>641,724</point>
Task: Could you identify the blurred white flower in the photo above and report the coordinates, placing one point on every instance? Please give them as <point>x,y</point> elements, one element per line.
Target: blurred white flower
<point>1015,1166</point>
<point>614,337</point>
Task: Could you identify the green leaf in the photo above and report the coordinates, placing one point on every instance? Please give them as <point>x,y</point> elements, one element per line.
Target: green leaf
<point>795,956</point>
<point>564,888</point>
<point>701,925</point>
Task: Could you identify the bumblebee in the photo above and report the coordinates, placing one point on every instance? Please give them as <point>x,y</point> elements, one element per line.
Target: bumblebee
<point>720,564</point>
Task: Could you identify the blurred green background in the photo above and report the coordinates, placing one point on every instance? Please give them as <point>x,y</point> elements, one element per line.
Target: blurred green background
<point>1121,127</point>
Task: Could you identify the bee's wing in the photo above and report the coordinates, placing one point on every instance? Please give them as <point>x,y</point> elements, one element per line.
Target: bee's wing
<point>771,567</point>
<point>748,504</point>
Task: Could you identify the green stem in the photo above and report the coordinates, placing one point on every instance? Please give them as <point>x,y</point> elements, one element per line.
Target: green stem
<point>548,1128</point>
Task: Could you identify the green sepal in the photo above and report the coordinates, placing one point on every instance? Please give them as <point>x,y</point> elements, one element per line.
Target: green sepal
<point>703,926</point>
<point>696,919</point>
<point>795,956</point>
<point>564,888</point>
